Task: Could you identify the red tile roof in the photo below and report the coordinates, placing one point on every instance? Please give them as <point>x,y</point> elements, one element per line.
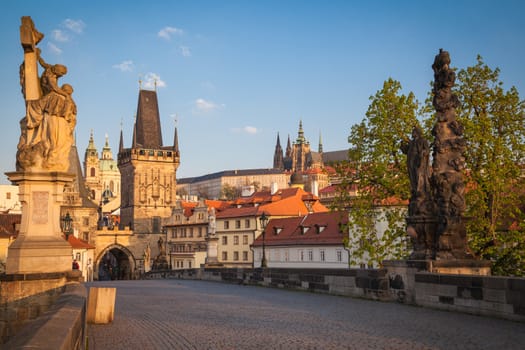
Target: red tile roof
<point>79,243</point>
<point>312,229</point>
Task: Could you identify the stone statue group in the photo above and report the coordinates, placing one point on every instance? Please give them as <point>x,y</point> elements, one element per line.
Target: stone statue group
<point>47,128</point>
<point>437,202</point>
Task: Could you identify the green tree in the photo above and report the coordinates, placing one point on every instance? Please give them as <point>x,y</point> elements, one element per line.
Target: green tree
<point>375,178</point>
<point>494,128</point>
<point>229,192</point>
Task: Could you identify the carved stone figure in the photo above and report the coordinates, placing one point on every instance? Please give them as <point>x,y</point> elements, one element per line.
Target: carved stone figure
<point>212,224</point>
<point>435,220</point>
<point>47,128</point>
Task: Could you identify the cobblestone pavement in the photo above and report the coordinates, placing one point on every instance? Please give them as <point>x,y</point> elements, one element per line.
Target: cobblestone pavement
<point>180,314</point>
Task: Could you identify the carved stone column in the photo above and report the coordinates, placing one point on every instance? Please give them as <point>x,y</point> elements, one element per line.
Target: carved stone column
<point>447,166</point>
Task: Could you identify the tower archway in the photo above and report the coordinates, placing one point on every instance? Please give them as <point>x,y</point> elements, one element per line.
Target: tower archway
<point>115,262</point>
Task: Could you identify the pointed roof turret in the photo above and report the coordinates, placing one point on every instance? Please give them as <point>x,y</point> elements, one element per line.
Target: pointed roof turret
<point>148,133</point>
<point>176,141</point>
<point>106,151</point>
<point>121,142</point>
<point>91,150</point>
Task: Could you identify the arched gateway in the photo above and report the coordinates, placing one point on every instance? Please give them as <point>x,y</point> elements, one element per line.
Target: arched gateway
<point>115,262</point>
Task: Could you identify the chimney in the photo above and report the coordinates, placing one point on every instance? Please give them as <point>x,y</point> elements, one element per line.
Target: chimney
<point>274,188</point>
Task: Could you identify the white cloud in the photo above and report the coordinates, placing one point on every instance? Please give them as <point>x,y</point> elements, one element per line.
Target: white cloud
<point>203,106</point>
<point>185,51</point>
<point>166,32</point>
<point>247,129</point>
<point>250,129</point>
<point>76,26</point>
<point>125,66</point>
<point>152,80</point>
<point>54,49</point>
<point>59,35</point>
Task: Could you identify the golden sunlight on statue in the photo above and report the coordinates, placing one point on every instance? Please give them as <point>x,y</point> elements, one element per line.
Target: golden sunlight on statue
<point>47,128</point>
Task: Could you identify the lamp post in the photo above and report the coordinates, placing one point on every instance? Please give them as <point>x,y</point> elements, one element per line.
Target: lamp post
<point>67,225</point>
<point>264,221</point>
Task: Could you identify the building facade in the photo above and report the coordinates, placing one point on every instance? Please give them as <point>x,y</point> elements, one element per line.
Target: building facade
<point>309,241</point>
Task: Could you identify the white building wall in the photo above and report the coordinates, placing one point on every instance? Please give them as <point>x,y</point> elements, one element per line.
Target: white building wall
<point>335,257</point>
<point>9,199</point>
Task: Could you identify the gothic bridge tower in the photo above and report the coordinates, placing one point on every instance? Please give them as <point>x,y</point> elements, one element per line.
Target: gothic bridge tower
<point>148,170</point>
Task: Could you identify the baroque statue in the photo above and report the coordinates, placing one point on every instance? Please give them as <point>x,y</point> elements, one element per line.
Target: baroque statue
<point>435,219</point>
<point>48,126</point>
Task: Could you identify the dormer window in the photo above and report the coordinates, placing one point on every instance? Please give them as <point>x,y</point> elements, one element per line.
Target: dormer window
<point>277,230</point>
<point>320,228</point>
<point>304,229</point>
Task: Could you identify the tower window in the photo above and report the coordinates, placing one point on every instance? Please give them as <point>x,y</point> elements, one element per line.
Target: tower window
<point>92,172</point>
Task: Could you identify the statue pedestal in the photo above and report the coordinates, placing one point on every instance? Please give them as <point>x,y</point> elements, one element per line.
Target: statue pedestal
<point>40,247</point>
<point>212,244</point>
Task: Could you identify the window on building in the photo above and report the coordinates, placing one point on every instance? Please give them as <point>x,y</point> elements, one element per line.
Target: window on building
<point>247,223</point>
<point>85,221</point>
<point>237,223</point>
<point>286,255</point>
<point>339,255</point>
<point>236,240</point>
<point>245,256</point>
<point>189,264</point>
<point>224,256</point>
<point>78,257</point>
<point>224,240</point>
<point>226,224</point>
<point>245,239</point>
<point>112,186</point>
<point>155,224</point>
<point>321,255</point>
<point>191,232</point>
<point>85,236</point>
<point>8,195</point>
<point>236,256</point>
<point>200,231</point>
<point>92,172</point>
<point>310,255</point>
<point>174,233</point>
<point>301,255</point>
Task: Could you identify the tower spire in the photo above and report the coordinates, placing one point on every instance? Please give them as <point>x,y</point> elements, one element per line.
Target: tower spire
<point>278,160</point>
<point>320,143</point>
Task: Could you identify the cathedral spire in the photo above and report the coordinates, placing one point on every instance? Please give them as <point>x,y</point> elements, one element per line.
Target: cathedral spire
<point>300,134</point>
<point>288,148</point>
<point>320,143</point>
<point>278,160</point>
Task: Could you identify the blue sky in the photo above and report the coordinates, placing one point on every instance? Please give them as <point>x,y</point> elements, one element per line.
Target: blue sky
<point>235,73</point>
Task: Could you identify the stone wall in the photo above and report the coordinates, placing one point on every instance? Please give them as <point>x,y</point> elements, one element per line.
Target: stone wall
<point>62,327</point>
<point>502,297</point>
<point>481,295</point>
<point>24,297</point>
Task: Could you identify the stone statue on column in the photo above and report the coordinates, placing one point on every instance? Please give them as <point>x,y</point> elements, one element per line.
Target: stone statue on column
<point>42,162</point>
<point>48,125</point>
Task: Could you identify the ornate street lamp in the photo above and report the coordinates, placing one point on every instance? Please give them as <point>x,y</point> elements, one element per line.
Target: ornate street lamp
<point>67,225</point>
<point>264,221</point>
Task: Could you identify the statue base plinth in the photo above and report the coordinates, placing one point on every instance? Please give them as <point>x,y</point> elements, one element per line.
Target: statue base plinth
<point>40,246</point>
<point>161,263</point>
<point>44,254</point>
<point>453,267</point>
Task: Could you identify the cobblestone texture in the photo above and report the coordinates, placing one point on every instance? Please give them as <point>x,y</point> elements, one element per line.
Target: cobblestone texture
<point>179,314</point>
